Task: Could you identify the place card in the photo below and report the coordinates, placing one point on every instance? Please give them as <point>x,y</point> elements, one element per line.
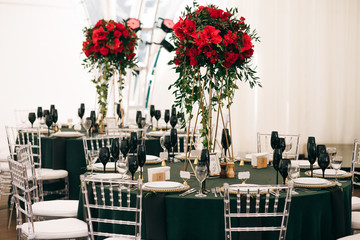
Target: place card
<point>156,171</point>
<point>244,175</point>
<point>163,155</point>
<point>185,174</point>
<point>259,160</point>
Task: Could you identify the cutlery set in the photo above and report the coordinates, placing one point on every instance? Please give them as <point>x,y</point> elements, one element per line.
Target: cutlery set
<point>215,191</point>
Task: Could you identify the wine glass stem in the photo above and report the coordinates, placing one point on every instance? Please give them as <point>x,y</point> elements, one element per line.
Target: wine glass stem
<point>201,191</point>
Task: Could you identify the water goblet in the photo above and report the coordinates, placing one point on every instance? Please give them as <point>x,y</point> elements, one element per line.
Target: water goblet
<point>225,140</point>
<point>167,144</point>
<point>274,140</point>
<point>32,118</point>
<point>141,154</point>
<point>115,151</point>
<point>336,162</point>
<point>288,146</point>
<point>283,168</point>
<point>331,151</point>
<point>48,122</point>
<point>157,117</point>
<point>323,162</point>
<point>152,113</point>
<point>281,144</point>
<point>133,142</point>
<point>104,156</point>
<point>311,149</point>
<point>201,172</point>
<point>173,121</point>
<point>166,117</point>
<point>173,139</point>
<point>39,113</point>
<point>132,164</point>
<point>87,125</point>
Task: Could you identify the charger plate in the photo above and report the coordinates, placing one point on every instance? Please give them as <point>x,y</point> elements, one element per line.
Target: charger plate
<point>329,173</point>
<point>233,189</point>
<point>150,159</point>
<point>165,186</point>
<point>110,176</point>
<point>305,164</point>
<point>182,157</point>
<point>313,182</point>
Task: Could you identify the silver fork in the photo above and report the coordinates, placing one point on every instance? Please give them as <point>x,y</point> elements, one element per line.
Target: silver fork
<point>219,192</point>
<point>214,192</point>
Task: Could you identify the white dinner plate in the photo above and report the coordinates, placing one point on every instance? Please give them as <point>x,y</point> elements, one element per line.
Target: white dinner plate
<point>311,181</point>
<point>67,134</point>
<point>107,176</point>
<point>305,163</point>
<point>152,159</point>
<point>110,166</point>
<point>330,172</point>
<point>164,185</point>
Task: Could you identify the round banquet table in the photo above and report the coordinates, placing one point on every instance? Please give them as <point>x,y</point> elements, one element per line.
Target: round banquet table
<point>314,213</point>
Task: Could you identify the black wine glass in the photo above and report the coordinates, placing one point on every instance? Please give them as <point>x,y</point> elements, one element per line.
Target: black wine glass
<point>119,111</point>
<point>115,151</point>
<point>321,148</point>
<point>124,147</point>
<point>82,110</point>
<point>173,111</point>
<point>282,144</point>
<point>166,117</point>
<point>55,116</point>
<point>157,117</point>
<point>274,140</point>
<point>167,144</point>
<point>45,113</point>
<point>277,156</point>
<point>141,154</point>
<point>173,139</point>
<point>311,149</point>
<point>323,161</point>
<point>205,158</point>
<point>173,121</point>
<point>283,168</point>
<point>138,118</point>
<point>133,142</point>
<point>52,109</point>
<point>39,112</point>
<point>104,156</point>
<point>93,118</point>
<point>225,140</point>
<point>152,112</point>
<point>48,122</point>
<point>32,118</point>
<point>133,164</point>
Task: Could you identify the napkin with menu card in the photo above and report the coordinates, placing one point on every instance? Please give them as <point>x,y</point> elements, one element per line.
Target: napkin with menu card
<point>158,174</point>
<point>260,160</point>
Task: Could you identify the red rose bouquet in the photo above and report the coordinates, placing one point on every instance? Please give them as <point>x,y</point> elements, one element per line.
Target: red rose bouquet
<point>109,47</point>
<point>213,49</point>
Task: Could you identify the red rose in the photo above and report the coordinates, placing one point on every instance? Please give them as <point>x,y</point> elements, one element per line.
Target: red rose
<point>213,60</point>
<point>230,58</point>
<point>208,54</point>
<point>177,61</point>
<point>225,16</point>
<point>117,43</point>
<point>117,33</point>
<point>193,61</point>
<point>125,33</point>
<point>248,53</point>
<point>96,48</point>
<point>130,56</point>
<point>189,27</point>
<point>120,26</point>
<point>216,13</point>
<point>178,29</point>
<point>110,26</point>
<point>99,34</point>
<point>206,37</point>
<point>229,38</point>
<point>99,23</point>
<point>104,51</point>
<point>192,52</point>
<point>246,43</point>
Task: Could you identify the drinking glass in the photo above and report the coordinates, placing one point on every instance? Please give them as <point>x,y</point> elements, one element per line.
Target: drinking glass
<point>132,164</point>
<point>138,118</point>
<point>293,170</point>
<point>311,149</point>
<point>173,139</point>
<point>32,118</point>
<point>336,162</point>
<point>115,151</point>
<point>55,116</point>
<point>331,151</point>
<point>201,171</point>
<point>283,168</point>
<point>39,113</point>
<point>205,157</point>
<point>167,144</point>
<point>288,146</point>
<point>124,148</point>
<point>157,117</point>
<point>166,117</point>
<point>281,144</point>
<point>173,121</point>
<point>320,149</point>
<point>274,140</point>
<point>48,122</point>
<point>93,118</point>
<point>141,154</point>
<point>225,140</point>
<point>133,142</point>
<point>104,156</point>
<point>82,110</point>
<point>277,156</point>
<point>52,109</point>
<point>87,125</point>
<point>152,112</point>
<point>323,162</point>
<point>162,142</point>
<point>173,111</point>
<point>45,113</point>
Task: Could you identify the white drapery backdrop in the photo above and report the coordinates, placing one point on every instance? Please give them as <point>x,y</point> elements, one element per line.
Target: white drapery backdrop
<point>307,61</point>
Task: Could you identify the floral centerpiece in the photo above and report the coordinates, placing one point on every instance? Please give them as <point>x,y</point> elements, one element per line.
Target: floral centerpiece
<point>109,48</point>
<point>213,50</point>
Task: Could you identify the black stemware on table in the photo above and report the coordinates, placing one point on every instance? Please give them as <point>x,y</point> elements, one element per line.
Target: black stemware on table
<point>166,117</point>
<point>225,140</point>
<point>173,121</point>
<point>55,116</point>
<point>93,118</point>
<point>321,148</point>
<point>39,112</point>
<point>133,164</point>
<point>323,161</point>
<point>173,111</point>
<point>283,168</point>
<point>157,117</point>
<point>282,144</point>
<point>152,112</point>
<point>124,147</point>
<point>104,156</point>
<point>205,158</point>
<point>173,139</point>
<point>82,110</point>
<point>167,144</point>
<point>32,118</point>
<point>52,109</point>
<point>141,154</point>
<point>45,113</point>
<point>138,118</point>
<point>133,142</point>
<point>277,156</point>
<point>48,122</point>
<point>119,111</point>
<point>115,151</point>
<point>274,139</point>
<point>311,149</point>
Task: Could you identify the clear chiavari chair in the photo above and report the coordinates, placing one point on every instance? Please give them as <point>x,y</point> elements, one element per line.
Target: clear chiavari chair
<point>263,202</point>
<point>112,207</point>
<point>355,201</point>
<point>24,191</point>
<point>292,142</point>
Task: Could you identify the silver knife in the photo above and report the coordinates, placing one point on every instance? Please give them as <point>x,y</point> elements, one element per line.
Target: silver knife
<point>187,192</point>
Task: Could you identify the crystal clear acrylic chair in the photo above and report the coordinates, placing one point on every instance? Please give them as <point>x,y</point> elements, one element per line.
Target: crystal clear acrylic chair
<point>355,201</point>
<point>292,141</point>
<point>263,202</point>
<point>24,184</point>
<point>120,204</point>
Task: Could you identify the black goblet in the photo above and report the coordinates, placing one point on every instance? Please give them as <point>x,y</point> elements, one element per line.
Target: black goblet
<point>157,117</point>
<point>32,118</point>
<point>173,139</point>
<point>115,151</point>
<point>55,116</point>
<point>311,149</point>
<point>133,142</point>
<point>48,122</point>
<point>282,144</point>
<point>82,110</point>
<point>52,109</point>
<point>173,121</point>
<point>225,140</point>
<point>93,118</point>
<point>124,147</point>
<point>152,112</point>
<point>205,158</point>
<point>283,168</point>
<point>45,113</point>
<point>141,154</point>
<point>138,118</point>
<point>277,156</point>
<point>133,164</point>
<point>324,161</point>
<point>104,156</point>
<point>321,148</point>
<point>166,117</point>
<point>274,140</point>
<point>173,111</point>
<point>39,112</point>
<point>167,144</point>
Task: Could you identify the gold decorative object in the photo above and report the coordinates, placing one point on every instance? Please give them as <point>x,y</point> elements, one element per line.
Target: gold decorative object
<point>242,163</point>
<point>196,161</point>
<point>231,171</point>
<point>163,163</point>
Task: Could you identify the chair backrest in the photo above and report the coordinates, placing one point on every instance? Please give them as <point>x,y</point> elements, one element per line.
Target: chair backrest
<point>19,136</point>
<point>292,141</point>
<point>113,207</point>
<point>355,161</point>
<point>92,146</point>
<point>262,202</point>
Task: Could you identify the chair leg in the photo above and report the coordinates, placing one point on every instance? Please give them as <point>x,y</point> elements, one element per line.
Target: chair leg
<point>12,205</point>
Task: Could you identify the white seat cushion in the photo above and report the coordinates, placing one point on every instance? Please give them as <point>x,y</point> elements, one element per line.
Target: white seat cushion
<point>56,208</point>
<point>355,220</point>
<point>50,174</point>
<point>355,203</point>
<point>59,228</point>
<point>351,237</point>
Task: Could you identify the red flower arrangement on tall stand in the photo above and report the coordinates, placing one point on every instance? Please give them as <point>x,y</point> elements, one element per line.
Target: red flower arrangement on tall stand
<point>213,51</point>
<point>109,48</point>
